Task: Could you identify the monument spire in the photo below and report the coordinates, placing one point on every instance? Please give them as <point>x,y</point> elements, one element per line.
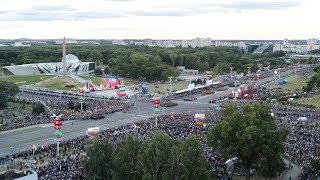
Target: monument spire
<point>64,59</point>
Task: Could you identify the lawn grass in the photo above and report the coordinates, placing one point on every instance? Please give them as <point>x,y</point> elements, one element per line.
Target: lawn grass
<point>25,80</point>
<point>95,79</point>
<point>314,101</point>
<point>295,83</point>
<point>60,83</point>
<point>165,87</point>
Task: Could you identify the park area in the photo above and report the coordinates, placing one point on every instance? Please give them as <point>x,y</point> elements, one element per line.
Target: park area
<point>66,83</point>
<point>59,83</point>
<point>311,101</point>
<point>294,83</point>
<point>165,87</point>
<point>25,80</point>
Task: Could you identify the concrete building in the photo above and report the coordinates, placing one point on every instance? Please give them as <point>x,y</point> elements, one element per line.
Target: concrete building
<point>73,65</point>
<point>285,42</point>
<point>277,47</point>
<point>183,71</point>
<point>312,44</point>
<point>21,44</point>
<point>297,48</point>
<point>69,64</point>
<point>119,42</point>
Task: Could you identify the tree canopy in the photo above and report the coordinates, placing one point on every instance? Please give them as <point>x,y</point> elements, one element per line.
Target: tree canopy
<point>157,158</point>
<point>7,89</point>
<point>38,108</point>
<point>154,63</point>
<point>99,160</point>
<point>252,136</point>
<point>314,82</point>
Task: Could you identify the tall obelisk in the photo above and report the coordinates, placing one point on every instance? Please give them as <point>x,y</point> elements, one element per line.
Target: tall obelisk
<point>64,59</point>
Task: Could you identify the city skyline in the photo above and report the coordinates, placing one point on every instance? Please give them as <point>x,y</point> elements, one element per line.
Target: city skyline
<point>142,19</point>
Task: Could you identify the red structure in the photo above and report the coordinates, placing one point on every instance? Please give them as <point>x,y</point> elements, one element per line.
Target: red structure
<point>88,87</point>
<point>245,92</point>
<point>58,121</point>
<point>121,93</point>
<point>156,102</point>
<point>112,82</point>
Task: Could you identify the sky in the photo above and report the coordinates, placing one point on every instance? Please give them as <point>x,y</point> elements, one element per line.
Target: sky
<point>160,19</point>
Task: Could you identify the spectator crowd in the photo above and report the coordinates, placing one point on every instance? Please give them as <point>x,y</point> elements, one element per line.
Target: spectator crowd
<point>301,142</point>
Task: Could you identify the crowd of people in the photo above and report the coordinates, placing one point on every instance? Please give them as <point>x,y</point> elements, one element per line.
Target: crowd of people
<point>68,165</point>
<point>301,143</point>
<point>15,117</point>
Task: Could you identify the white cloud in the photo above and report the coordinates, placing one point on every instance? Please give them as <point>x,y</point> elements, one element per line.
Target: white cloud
<point>174,19</point>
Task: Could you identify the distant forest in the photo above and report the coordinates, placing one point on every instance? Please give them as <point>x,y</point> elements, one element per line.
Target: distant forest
<point>154,63</point>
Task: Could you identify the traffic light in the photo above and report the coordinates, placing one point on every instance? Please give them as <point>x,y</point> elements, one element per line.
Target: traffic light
<point>58,123</point>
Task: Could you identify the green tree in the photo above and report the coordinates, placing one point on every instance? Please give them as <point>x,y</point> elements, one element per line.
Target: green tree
<point>98,72</point>
<point>315,164</point>
<point>122,59</point>
<point>197,166</point>
<point>98,164</point>
<point>126,155</point>
<point>177,170</point>
<point>8,88</point>
<point>155,157</point>
<point>107,70</point>
<point>3,101</point>
<point>253,137</point>
<point>38,108</point>
<point>96,56</point>
<point>313,83</point>
<point>173,57</point>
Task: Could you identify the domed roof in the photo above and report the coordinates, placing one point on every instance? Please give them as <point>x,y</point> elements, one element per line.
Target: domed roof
<point>72,58</point>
